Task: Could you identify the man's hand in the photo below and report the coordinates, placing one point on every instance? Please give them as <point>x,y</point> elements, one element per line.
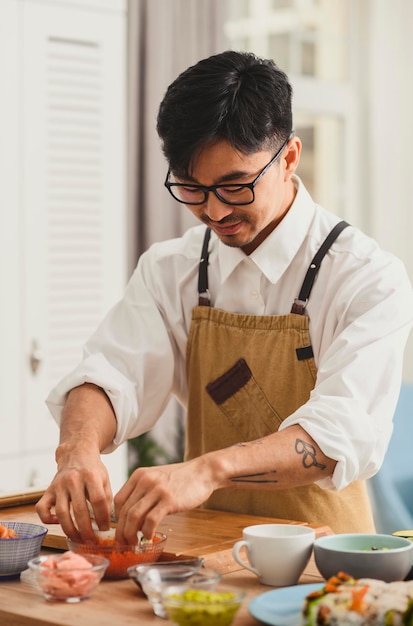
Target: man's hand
<point>66,499</point>
<point>151,493</point>
<point>87,427</point>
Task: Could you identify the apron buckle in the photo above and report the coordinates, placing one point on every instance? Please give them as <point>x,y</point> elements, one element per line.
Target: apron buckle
<point>299,306</point>
<point>204,298</point>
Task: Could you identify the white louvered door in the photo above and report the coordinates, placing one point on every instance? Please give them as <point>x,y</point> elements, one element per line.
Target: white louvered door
<point>10,365</point>
<point>73,205</point>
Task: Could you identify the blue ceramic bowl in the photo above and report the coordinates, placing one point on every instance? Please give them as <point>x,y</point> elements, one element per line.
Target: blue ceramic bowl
<point>16,552</point>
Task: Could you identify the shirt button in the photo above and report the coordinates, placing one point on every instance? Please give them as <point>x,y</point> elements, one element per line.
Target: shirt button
<point>255,295</point>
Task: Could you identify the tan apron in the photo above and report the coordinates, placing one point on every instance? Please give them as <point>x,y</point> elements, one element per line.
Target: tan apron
<point>246,374</point>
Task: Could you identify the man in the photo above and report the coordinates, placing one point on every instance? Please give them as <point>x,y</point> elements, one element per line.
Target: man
<point>280,328</point>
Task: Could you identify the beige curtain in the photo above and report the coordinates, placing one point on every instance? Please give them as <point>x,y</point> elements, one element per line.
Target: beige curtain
<point>165,37</point>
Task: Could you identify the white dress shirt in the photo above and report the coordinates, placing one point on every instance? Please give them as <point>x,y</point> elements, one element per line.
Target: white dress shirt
<point>360,310</point>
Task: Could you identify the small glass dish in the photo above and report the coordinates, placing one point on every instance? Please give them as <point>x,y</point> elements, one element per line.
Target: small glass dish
<point>67,577</point>
<point>152,579</point>
<point>186,605</point>
<point>193,564</point>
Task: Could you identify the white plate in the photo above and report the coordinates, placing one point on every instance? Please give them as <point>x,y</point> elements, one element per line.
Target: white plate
<point>282,607</point>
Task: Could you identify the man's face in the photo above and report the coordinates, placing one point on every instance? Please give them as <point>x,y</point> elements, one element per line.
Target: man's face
<point>244,226</point>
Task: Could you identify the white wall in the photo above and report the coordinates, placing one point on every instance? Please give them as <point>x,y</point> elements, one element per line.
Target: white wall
<point>388,132</point>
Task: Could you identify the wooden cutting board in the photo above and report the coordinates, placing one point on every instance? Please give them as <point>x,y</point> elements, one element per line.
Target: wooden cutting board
<point>201,532</point>
<point>20,498</point>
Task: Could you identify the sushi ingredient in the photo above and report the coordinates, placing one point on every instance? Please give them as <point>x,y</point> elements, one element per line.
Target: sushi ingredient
<point>7,533</point>
<point>67,575</point>
<point>346,601</point>
<point>121,557</point>
<point>197,606</point>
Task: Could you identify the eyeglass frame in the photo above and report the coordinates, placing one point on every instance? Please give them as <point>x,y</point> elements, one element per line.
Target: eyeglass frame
<point>214,188</point>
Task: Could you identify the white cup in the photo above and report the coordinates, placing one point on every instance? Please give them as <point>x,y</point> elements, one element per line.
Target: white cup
<point>277,553</point>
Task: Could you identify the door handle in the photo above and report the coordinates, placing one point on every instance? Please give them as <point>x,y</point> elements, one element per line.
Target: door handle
<point>36,356</point>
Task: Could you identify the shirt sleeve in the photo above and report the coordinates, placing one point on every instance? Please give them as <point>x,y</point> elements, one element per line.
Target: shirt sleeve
<point>132,357</point>
<point>360,362</point>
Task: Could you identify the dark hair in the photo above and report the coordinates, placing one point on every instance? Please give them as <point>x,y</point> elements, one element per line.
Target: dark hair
<point>232,96</point>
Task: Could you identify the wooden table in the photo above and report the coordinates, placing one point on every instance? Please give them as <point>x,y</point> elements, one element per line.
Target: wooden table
<point>210,534</point>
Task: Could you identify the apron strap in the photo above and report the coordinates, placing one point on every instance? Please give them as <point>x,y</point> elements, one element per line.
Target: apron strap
<point>301,302</point>
<point>204,297</point>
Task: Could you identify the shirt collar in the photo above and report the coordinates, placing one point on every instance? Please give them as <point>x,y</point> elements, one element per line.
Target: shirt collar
<point>277,251</point>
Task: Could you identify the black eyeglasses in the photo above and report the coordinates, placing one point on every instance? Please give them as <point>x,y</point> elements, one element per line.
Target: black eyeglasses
<point>237,194</point>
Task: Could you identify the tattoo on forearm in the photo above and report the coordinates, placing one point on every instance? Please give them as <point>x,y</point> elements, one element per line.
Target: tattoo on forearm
<point>309,454</point>
<point>255,478</point>
<point>246,444</point>
<point>301,447</point>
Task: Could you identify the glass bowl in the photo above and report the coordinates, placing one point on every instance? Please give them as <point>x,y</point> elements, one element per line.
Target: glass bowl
<point>186,565</point>
<point>16,552</point>
<point>121,557</point>
<point>68,577</point>
<point>152,579</point>
<point>186,605</point>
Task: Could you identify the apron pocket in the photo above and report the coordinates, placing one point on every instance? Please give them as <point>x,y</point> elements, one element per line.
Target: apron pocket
<point>244,403</point>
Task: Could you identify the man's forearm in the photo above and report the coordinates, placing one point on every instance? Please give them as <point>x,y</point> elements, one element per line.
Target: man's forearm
<point>289,458</point>
<point>88,421</point>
